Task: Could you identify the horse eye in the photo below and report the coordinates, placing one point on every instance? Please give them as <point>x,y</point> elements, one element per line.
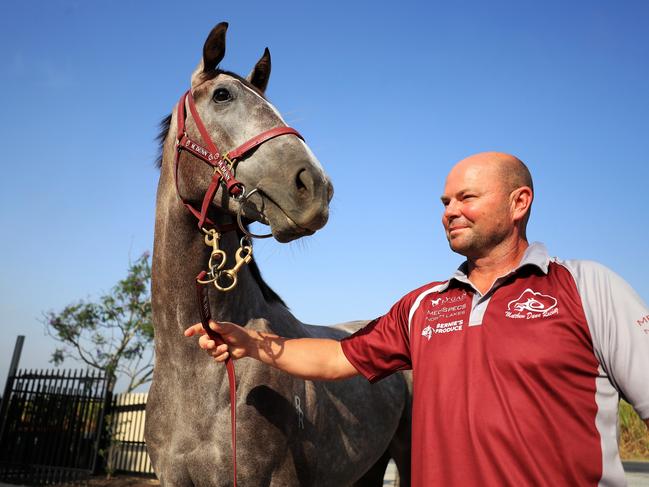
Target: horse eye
<point>221,95</point>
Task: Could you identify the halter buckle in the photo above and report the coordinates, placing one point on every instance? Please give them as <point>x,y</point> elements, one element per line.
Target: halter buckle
<point>229,161</point>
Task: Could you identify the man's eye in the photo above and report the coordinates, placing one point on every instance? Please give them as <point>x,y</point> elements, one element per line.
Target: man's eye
<point>221,95</point>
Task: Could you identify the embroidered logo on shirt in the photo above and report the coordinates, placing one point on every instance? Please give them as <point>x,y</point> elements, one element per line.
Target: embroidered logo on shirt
<point>447,327</point>
<point>446,307</point>
<point>531,305</point>
<point>427,332</point>
<point>448,299</point>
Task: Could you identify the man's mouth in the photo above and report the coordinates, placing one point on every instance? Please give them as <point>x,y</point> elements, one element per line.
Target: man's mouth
<point>456,228</point>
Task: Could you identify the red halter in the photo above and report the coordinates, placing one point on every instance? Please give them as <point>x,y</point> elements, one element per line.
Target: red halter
<point>222,164</point>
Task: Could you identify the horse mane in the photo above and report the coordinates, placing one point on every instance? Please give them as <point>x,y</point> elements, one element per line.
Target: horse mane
<point>268,293</point>
<point>164,125</point>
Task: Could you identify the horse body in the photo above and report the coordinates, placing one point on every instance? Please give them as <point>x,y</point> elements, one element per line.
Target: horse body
<point>290,431</point>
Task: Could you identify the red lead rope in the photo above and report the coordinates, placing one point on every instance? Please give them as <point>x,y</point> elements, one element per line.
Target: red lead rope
<point>204,306</point>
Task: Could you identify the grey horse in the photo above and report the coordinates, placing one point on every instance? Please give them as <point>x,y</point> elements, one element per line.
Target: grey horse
<point>290,432</point>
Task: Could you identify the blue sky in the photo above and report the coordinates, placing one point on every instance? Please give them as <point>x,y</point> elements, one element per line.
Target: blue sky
<point>388,95</point>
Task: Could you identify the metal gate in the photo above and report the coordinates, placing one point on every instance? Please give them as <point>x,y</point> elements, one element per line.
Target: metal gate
<point>51,425</point>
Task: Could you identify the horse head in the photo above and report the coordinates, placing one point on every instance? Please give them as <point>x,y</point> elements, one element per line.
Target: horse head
<point>292,190</point>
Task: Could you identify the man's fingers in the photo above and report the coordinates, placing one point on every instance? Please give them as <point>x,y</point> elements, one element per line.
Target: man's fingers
<point>198,329</point>
<point>219,326</point>
<point>195,329</point>
<point>221,357</point>
<point>220,353</point>
<point>206,343</point>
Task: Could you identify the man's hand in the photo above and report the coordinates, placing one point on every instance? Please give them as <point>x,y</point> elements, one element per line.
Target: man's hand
<point>237,342</point>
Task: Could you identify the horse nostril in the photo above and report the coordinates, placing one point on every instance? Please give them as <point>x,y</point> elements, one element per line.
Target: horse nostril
<point>330,191</point>
<point>302,180</point>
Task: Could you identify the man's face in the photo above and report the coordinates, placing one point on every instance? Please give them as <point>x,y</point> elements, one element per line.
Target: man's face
<point>477,215</point>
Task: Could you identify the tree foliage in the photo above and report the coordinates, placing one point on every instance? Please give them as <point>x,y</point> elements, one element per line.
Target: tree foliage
<point>114,333</point>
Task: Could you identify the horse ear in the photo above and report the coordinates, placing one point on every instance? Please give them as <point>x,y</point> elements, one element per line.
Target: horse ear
<point>260,74</point>
<point>214,48</point>
<point>213,52</point>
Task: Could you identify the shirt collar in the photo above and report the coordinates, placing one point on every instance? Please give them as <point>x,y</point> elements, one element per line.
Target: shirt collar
<point>535,254</point>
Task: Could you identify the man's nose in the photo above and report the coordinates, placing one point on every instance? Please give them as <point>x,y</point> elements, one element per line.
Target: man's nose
<point>452,209</point>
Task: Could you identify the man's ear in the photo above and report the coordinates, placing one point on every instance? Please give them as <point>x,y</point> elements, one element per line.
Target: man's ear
<point>521,202</point>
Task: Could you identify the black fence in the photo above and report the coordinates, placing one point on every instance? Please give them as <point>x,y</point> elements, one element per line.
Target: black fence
<point>51,425</point>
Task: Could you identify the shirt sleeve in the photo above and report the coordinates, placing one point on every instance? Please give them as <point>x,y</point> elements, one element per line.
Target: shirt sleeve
<point>382,347</point>
<point>619,323</point>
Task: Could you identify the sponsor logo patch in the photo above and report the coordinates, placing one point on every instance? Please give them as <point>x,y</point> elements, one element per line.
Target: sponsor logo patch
<point>427,332</point>
<point>449,327</point>
<point>440,328</point>
<point>448,299</point>
<point>531,304</point>
<point>445,307</point>
<point>445,314</point>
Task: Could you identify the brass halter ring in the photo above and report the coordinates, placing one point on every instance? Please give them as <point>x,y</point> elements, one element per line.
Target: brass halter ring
<point>242,201</point>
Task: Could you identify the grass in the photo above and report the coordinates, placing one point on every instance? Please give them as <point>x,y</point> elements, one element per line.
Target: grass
<point>634,437</point>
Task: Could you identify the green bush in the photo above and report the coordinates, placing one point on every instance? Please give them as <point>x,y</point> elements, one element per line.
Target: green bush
<point>634,437</point>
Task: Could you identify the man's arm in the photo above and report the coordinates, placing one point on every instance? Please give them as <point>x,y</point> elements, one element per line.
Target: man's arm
<point>307,358</point>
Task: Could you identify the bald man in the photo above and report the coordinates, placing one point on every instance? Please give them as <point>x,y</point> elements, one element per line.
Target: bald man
<point>518,359</point>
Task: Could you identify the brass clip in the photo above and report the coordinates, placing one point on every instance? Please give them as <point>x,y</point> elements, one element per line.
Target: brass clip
<point>217,257</point>
<point>243,257</point>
